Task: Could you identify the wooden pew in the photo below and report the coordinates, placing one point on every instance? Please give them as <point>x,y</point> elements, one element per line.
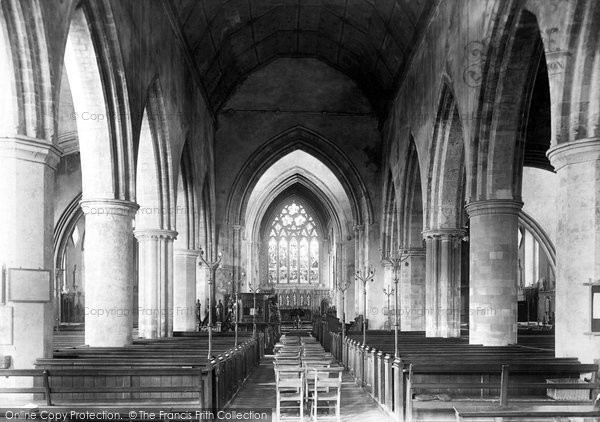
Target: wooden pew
<point>161,365</point>
<point>524,414</point>
<point>449,361</point>
<point>491,378</point>
<point>130,385</point>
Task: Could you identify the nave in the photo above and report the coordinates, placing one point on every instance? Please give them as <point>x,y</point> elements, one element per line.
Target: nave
<point>183,182</point>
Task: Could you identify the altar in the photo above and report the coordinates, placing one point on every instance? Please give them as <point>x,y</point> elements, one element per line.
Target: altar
<point>300,301</point>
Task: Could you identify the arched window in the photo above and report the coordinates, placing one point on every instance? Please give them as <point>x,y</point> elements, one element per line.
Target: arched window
<point>293,247</point>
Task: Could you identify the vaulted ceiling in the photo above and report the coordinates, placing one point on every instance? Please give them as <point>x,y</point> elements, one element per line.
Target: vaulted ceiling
<point>369,40</point>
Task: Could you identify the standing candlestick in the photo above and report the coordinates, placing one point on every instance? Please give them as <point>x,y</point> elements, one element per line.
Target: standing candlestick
<point>342,289</point>
<point>254,291</point>
<point>365,276</point>
<point>396,259</point>
<point>388,292</point>
<point>212,266</point>
<point>235,287</point>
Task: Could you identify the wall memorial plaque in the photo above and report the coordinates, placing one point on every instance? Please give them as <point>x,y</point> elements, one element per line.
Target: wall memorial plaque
<point>28,285</point>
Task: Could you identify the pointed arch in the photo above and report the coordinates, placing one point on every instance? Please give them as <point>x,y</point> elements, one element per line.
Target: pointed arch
<point>206,216</point>
<point>495,159</point>
<point>94,66</point>
<point>153,166</point>
<point>64,228</point>
<point>410,201</point>
<point>186,210</point>
<point>572,49</point>
<point>25,72</point>
<point>298,138</point>
<point>389,234</point>
<point>446,179</point>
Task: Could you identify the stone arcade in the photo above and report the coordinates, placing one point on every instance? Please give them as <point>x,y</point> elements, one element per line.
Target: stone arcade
<point>305,141</point>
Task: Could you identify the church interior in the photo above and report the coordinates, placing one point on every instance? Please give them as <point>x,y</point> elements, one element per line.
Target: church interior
<point>306,209</point>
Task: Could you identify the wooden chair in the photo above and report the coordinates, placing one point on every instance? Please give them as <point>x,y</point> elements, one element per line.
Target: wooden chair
<point>287,364</point>
<point>327,389</point>
<point>284,356</point>
<point>289,387</point>
<point>309,366</point>
<point>290,341</point>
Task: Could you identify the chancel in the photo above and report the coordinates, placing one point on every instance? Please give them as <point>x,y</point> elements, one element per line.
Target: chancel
<point>342,209</point>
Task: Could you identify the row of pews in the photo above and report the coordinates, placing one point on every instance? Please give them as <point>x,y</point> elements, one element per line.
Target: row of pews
<point>306,378</point>
<point>173,372</point>
<point>451,379</point>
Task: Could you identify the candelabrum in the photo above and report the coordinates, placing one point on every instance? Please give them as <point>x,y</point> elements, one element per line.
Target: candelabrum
<point>388,292</point>
<point>342,289</point>
<point>235,287</point>
<point>396,259</point>
<point>365,276</point>
<point>254,291</point>
<point>212,266</point>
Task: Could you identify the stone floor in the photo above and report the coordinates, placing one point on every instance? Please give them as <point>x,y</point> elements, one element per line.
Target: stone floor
<point>259,392</point>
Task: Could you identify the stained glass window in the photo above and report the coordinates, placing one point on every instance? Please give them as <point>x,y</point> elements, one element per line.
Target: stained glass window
<point>293,247</point>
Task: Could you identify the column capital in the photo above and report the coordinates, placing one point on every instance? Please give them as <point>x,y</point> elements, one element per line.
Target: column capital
<point>444,233</point>
<point>25,148</point>
<point>579,151</point>
<point>107,206</point>
<point>191,253</point>
<point>417,252</point>
<point>358,227</point>
<point>494,206</point>
<point>143,234</point>
<point>236,227</point>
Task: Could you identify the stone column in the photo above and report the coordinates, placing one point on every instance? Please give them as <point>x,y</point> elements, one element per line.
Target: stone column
<point>432,279</point>
<point>493,271</point>
<point>108,263</point>
<point>443,260</point>
<point>155,282</point>
<point>184,290</point>
<point>577,164</point>
<point>27,168</point>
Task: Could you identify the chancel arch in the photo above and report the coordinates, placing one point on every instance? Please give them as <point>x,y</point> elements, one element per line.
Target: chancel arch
<point>321,194</point>
<point>298,138</point>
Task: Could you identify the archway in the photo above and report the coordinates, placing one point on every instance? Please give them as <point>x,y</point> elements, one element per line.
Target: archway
<point>155,221</point>
<point>413,302</point>
<point>298,173</point>
<point>495,175</point>
<point>447,280</point>
<point>94,69</point>
<point>186,307</point>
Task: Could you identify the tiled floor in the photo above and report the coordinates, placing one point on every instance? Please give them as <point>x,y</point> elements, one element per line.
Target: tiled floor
<point>259,392</point>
